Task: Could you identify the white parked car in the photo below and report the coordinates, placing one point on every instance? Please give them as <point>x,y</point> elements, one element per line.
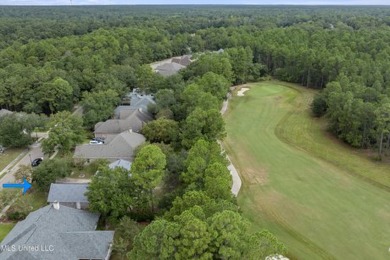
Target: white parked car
<point>95,142</point>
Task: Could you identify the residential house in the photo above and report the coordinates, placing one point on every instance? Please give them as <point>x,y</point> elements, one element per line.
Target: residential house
<point>171,66</point>
<point>127,119</point>
<point>140,101</point>
<point>69,194</point>
<point>183,60</point>
<point>57,232</point>
<point>120,163</point>
<point>120,146</point>
<point>169,69</point>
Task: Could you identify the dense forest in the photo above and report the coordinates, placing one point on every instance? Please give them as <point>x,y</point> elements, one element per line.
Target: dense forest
<point>53,58</point>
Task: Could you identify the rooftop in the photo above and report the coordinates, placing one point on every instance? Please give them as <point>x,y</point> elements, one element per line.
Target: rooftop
<point>67,192</point>
<point>66,233</point>
<point>120,163</point>
<point>120,146</point>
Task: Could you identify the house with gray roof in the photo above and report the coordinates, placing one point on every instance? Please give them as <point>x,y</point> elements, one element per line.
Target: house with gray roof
<point>134,100</point>
<point>69,194</point>
<point>169,69</point>
<point>57,232</point>
<point>140,100</point>
<point>184,60</point>
<point>120,146</point>
<point>130,118</point>
<point>120,163</point>
<point>171,66</point>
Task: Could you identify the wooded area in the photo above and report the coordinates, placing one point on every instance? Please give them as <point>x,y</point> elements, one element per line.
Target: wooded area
<point>52,58</point>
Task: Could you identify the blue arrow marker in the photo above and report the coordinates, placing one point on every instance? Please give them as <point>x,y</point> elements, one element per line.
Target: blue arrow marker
<point>25,185</point>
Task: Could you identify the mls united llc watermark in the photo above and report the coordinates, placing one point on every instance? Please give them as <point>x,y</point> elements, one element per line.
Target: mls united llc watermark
<point>29,248</point>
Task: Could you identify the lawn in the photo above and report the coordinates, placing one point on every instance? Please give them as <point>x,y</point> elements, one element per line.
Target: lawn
<point>323,199</point>
<point>34,200</point>
<point>5,228</point>
<point>8,156</point>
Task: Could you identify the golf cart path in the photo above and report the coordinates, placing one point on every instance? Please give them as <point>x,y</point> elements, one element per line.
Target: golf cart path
<point>236,186</point>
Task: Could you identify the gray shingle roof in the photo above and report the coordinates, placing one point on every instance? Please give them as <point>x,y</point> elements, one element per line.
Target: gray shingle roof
<point>68,192</point>
<point>21,255</point>
<point>112,126</point>
<point>121,146</point>
<point>49,228</point>
<point>120,163</point>
<point>140,101</point>
<point>133,119</point>
<point>122,112</point>
<point>183,60</point>
<point>169,69</point>
<point>88,245</point>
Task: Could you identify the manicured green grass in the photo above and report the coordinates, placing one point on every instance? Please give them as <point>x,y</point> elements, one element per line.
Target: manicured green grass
<point>319,142</point>
<point>5,228</point>
<point>323,199</point>
<point>8,156</point>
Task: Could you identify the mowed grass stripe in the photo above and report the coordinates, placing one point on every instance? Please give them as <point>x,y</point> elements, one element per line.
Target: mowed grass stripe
<point>317,208</point>
<point>322,144</point>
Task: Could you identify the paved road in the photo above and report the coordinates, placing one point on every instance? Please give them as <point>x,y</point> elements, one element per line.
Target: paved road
<point>34,151</point>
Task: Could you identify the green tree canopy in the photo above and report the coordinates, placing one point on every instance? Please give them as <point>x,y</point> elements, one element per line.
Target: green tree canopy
<point>201,124</point>
<point>111,192</point>
<point>147,170</point>
<point>56,95</point>
<point>201,155</point>
<point>16,128</point>
<point>215,84</point>
<point>191,198</point>
<point>156,241</point>
<point>161,130</point>
<point>49,171</point>
<point>66,131</point>
<point>98,106</point>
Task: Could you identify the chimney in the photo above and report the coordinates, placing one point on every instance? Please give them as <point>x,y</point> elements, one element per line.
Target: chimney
<point>56,205</point>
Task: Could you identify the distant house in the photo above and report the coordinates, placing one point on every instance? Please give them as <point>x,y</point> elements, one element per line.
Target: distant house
<point>136,100</point>
<point>4,112</point>
<point>57,232</point>
<point>172,66</point>
<point>133,119</point>
<point>169,69</point>
<point>140,101</point>
<point>120,163</point>
<point>69,194</point>
<point>183,60</point>
<point>121,146</point>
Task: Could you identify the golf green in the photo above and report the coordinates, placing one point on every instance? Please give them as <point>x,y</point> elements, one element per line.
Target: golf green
<point>309,193</point>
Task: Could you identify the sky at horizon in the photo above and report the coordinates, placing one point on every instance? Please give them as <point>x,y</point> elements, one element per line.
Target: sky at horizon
<point>216,2</point>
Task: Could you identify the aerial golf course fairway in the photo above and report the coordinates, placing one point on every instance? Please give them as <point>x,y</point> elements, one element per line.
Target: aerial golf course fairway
<point>321,198</point>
